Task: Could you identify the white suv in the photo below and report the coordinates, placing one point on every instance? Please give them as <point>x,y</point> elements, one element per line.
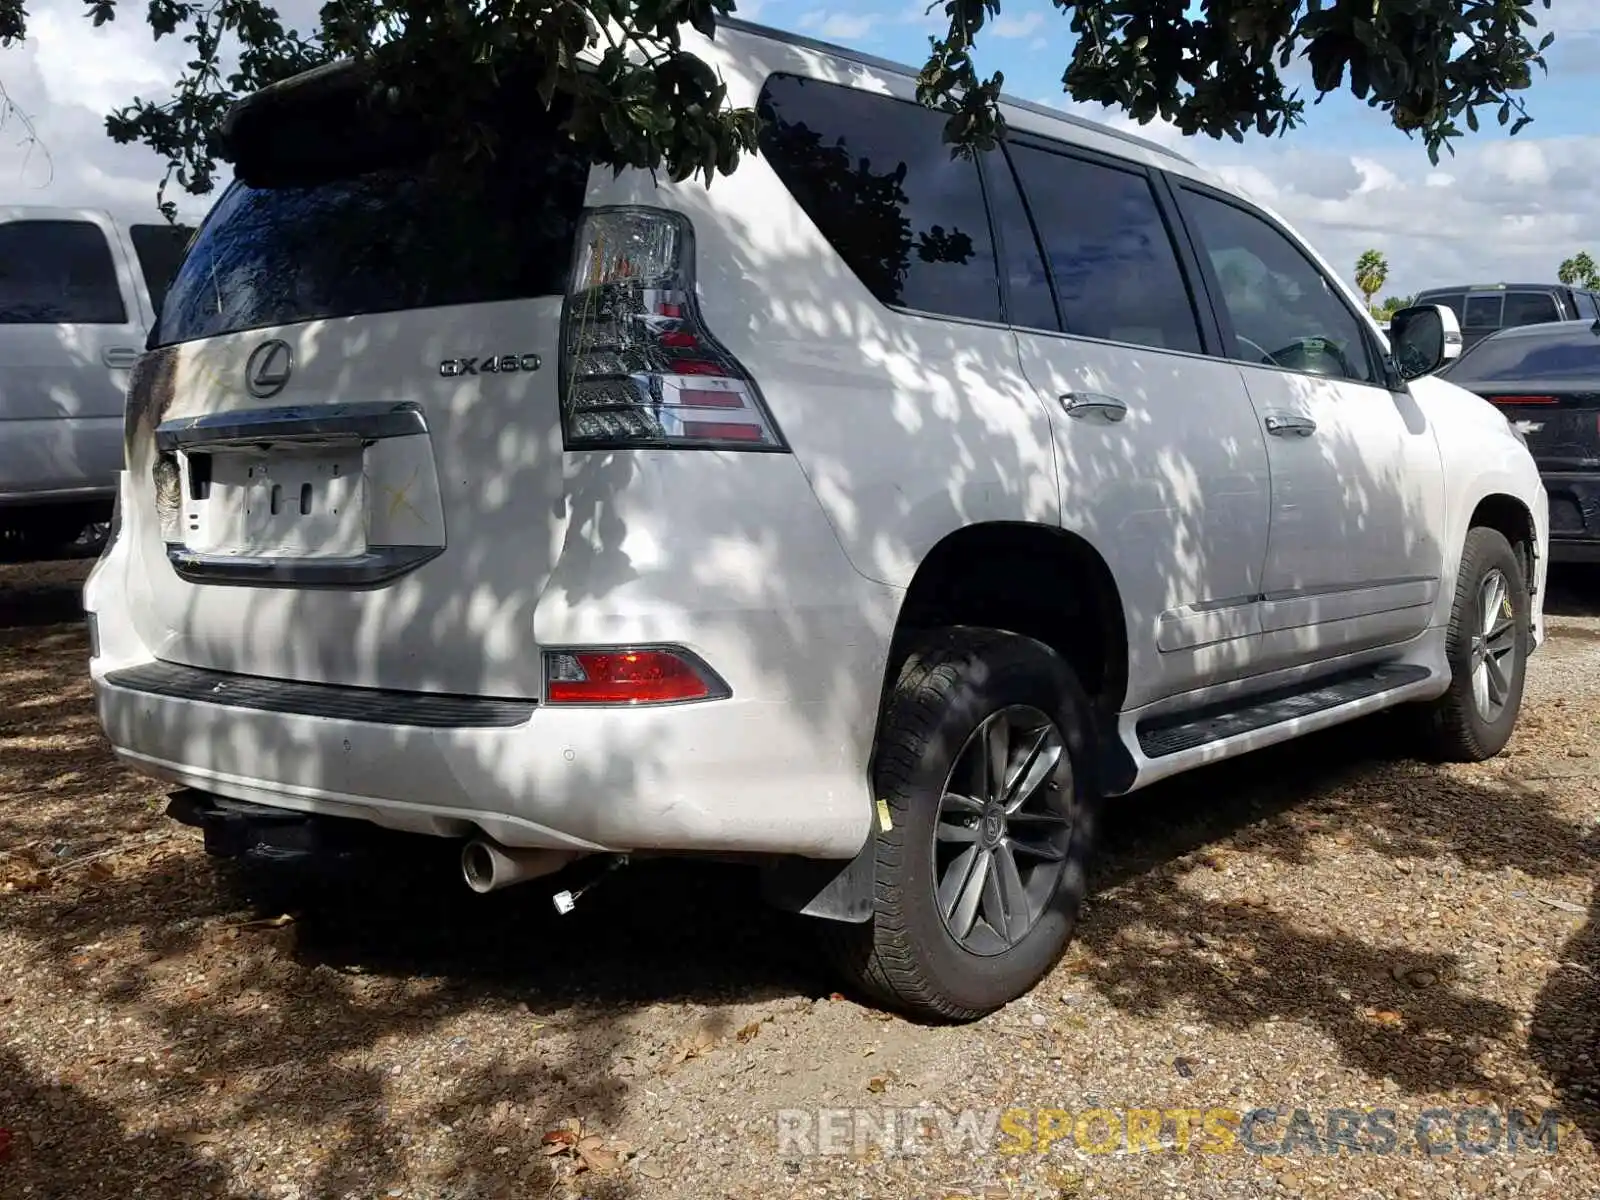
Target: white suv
<point>869,514</point>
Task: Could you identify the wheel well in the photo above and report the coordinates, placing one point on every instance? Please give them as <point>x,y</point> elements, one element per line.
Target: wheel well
<point>1510,517</point>
<point>1040,582</point>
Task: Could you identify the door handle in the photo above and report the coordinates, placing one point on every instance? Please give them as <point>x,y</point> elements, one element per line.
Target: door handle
<point>1290,425</point>
<point>1084,405</point>
<point>120,357</point>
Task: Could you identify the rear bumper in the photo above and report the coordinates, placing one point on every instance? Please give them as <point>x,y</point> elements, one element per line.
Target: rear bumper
<point>1574,514</point>
<point>725,776</point>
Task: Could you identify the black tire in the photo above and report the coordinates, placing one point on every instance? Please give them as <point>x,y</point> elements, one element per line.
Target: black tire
<point>1457,730</point>
<point>905,957</point>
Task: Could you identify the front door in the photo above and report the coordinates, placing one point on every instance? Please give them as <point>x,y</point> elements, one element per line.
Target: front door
<point>1357,483</point>
<point>1162,463</point>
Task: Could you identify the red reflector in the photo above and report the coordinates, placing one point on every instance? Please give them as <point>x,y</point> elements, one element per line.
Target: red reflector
<point>669,310</point>
<point>705,398</point>
<point>694,366</point>
<point>623,677</point>
<point>723,430</point>
<point>1513,401</point>
<point>683,341</point>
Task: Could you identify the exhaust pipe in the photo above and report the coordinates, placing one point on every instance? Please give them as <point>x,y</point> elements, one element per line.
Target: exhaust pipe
<point>488,866</point>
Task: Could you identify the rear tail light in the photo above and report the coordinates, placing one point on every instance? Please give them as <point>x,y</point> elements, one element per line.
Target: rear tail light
<point>628,677</point>
<point>1518,401</point>
<point>639,367</point>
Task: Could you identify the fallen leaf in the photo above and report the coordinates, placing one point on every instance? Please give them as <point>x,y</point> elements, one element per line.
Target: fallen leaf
<point>195,1137</point>
<point>100,871</point>
<point>1385,1016</point>
<point>559,1141</point>
<point>869,1052</point>
<point>599,1159</point>
<point>749,1031</point>
<point>877,1083</point>
<point>652,1170</point>
<point>277,922</point>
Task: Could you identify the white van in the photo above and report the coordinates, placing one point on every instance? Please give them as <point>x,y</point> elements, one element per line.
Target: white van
<point>78,293</point>
<point>871,514</point>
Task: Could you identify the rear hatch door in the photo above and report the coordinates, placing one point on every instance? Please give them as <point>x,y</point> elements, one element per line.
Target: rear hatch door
<point>344,447</point>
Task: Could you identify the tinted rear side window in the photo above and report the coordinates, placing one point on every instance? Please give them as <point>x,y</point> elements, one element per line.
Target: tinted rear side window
<point>875,176</point>
<point>1584,302</point>
<point>1483,312</point>
<point>160,251</point>
<point>1116,272</point>
<point>58,272</point>
<point>1529,308</point>
<point>1456,302</point>
<point>408,236</point>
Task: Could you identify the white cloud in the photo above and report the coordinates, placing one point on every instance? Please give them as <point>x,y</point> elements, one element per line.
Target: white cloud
<point>1017,27</point>
<point>847,27</point>
<point>1039,43</point>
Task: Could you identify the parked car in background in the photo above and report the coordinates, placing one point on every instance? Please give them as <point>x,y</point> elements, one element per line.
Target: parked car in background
<point>868,515</point>
<point>78,293</point>
<point>1546,379</point>
<point>1483,308</point>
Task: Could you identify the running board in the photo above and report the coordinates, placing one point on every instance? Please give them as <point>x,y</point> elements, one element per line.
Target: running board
<point>1174,733</point>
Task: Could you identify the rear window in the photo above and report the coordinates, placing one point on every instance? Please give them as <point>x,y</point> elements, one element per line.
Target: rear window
<point>876,176</point>
<point>58,272</point>
<point>1483,312</point>
<point>1526,358</point>
<point>407,235</point>
<point>1529,308</point>
<point>160,251</point>
<point>1454,301</point>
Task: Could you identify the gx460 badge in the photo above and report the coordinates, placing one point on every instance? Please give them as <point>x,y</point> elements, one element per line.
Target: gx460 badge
<point>495,364</point>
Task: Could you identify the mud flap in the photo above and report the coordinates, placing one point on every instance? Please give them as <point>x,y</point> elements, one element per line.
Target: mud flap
<point>832,889</point>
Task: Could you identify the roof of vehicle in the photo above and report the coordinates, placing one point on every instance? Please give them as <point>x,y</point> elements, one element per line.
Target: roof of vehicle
<point>1550,330</point>
<point>328,75</point>
<point>902,69</point>
<point>1494,287</point>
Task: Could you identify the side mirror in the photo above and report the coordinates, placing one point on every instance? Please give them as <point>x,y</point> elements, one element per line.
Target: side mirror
<point>1423,338</point>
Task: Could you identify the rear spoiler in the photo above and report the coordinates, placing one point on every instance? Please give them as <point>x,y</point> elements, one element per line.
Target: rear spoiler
<point>326,123</point>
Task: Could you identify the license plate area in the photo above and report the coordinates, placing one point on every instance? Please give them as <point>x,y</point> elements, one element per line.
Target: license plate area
<point>283,501</point>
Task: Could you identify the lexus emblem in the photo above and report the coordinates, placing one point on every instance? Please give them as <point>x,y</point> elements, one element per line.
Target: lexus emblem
<point>267,371</point>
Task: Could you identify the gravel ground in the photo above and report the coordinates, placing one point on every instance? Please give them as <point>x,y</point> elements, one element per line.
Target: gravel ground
<point>1327,927</point>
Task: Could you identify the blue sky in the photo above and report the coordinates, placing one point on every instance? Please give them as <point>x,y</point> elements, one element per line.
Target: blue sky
<point>1502,209</point>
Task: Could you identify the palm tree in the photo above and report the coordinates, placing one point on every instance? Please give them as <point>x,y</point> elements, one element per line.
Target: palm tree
<point>1579,271</point>
<point>1372,272</point>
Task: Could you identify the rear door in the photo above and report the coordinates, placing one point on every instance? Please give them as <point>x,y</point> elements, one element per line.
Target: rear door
<point>345,446</point>
<point>71,328</point>
<point>1162,463</point>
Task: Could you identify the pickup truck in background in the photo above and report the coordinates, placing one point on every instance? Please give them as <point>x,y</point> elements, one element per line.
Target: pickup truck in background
<point>79,291</point>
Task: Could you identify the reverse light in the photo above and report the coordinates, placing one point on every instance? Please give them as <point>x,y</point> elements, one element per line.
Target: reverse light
<point>639,366</point>
<point>628,677</point>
